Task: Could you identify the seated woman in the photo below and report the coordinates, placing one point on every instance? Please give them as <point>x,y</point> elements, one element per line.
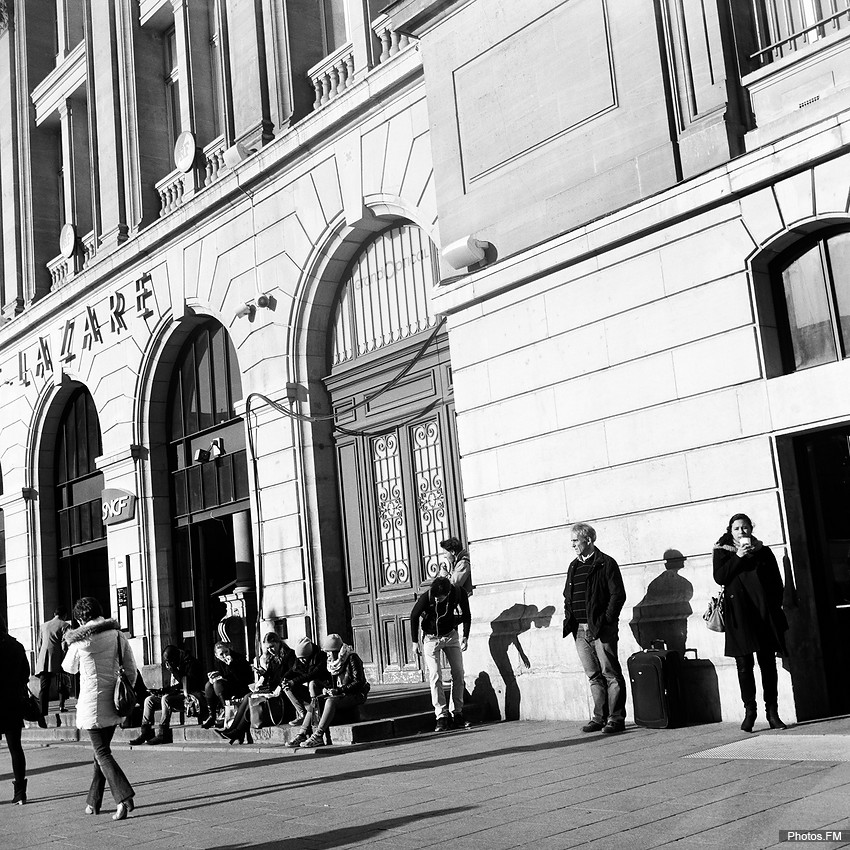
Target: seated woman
<point>306,679</point>
<point>232,677</point>
<point>346,687</point>
<point>275,663</point>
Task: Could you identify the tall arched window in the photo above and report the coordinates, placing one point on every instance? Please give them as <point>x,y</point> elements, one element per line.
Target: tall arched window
<point>81,538</point>
<point>209,487</point>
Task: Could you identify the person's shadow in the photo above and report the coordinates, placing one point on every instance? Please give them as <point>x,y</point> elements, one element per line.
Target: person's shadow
<point>506,629</point>
<point>663,612</point>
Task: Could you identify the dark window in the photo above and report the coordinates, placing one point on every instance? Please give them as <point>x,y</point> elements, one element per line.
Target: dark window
<point>172,90</point>
<point>811,291</point>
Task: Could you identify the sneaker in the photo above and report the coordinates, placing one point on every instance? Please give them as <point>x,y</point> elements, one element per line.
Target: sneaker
<point>317,739</point>
<point>460,722</point>
<point>593,726</point>
<point>442,724</point>
<point>611,728</point>
<point>299,719</point>
<point>298,740</point>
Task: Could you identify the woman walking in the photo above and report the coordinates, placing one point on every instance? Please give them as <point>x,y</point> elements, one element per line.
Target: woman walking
<point>93,651</point>
<point>755,622</point>
<point>14,673</point>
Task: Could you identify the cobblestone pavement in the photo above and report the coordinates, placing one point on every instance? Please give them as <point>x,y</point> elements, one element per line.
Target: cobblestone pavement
<point>540,785</point>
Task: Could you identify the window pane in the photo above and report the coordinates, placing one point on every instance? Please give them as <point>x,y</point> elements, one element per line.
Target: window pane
<point>220,376</point>
<point>839,261</point>
<point>235,377</point>
<point>208,473</point>
<point>205,406</point>
<point>334,15</point>
<point>808,311</point>
<point>195,499</point>
<point>190,399</point>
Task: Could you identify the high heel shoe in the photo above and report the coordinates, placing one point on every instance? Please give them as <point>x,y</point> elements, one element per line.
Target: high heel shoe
<point>123,809</point>
<point>92,810</point>
<point>773,718</point>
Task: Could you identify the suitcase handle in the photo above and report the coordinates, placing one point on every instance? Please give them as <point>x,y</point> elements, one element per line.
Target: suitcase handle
<point>658,644</point>
<point>691,649</point>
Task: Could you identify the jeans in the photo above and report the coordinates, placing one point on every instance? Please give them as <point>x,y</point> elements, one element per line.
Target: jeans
<point>168,702</point>
<point>328,710</point>
<point>450,645</point>
<point>607,685</point>
<point>747,679</point>
<point>106,769</point>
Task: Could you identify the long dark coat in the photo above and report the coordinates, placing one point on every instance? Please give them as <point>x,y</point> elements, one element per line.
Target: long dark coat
<point>14,674</point>
<point>755,621</point>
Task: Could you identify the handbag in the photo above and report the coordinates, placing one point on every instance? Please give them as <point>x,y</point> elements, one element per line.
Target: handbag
<point>714,615</point>
<point>31,708</point>
<point>125,695</point>
<point>266,710</point>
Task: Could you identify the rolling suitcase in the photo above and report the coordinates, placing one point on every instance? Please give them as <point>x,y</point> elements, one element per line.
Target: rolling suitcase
<point>654,676</point>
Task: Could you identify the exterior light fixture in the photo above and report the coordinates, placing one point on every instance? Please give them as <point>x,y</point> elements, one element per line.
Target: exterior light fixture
<point>216,448</point>
<point>201,456</point>
<point>247,309</point>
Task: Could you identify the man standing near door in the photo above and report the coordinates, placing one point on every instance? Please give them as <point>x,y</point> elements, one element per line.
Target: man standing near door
<point>594,595</point>
<point>51,651</point>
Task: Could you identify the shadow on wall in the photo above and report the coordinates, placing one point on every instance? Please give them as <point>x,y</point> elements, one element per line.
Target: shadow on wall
<point>506,629</point>
<point>662,615</point>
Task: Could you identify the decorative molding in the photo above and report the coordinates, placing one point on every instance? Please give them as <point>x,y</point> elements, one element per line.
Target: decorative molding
<point>5,15</point>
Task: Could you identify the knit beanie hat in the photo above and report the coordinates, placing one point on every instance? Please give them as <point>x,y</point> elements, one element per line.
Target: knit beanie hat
<point>171,654</point>
<point>304,648</point>
<point>332,643</point>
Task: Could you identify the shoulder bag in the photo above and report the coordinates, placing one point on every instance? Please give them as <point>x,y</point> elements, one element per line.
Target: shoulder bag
<point>124,696</point>
<point>714,615</point>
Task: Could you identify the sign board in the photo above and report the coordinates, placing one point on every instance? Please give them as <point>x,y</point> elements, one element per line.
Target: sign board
<point>117,506</point>
<point>67,241</point>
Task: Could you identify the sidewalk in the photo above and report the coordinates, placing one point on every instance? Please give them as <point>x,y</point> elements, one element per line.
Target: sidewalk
<point>534,785</point>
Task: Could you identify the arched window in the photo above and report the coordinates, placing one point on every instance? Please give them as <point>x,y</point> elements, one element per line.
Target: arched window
<point>811,297</point>
<point>384,298</point>
<point>81,538</point>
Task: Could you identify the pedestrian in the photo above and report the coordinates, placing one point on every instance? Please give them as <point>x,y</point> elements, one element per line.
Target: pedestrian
<point>188,683</point>
<point>14,674</point>
<point>346,687</point>
<point>306,678</point>
<point>460,574</point>
<point>95,651</point>
<point>753,615</point>
<point>48,663</point>
<point>231,679</point>
<point>442,609</point>
<point>594,595</point>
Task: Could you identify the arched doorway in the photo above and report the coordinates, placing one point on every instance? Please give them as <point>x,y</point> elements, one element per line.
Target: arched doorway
<point>396,452</point>
<point>83,562</point>
<point>213,564</point>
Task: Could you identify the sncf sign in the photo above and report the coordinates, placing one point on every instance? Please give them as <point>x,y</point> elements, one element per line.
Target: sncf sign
<point>117,506</point>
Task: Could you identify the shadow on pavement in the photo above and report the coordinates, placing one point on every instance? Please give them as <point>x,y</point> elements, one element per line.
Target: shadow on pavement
<point>34,771</point>
<point>344,835</point>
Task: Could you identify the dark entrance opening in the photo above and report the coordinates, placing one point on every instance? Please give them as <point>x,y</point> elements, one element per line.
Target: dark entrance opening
<point>823,467</point>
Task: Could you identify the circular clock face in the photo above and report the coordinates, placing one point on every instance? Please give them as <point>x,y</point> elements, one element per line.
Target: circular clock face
<point>67,240</point>
<point>184,152</point>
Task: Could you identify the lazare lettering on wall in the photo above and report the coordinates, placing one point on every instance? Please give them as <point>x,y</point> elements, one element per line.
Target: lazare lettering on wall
<point>85,332</point>
<point>117,506</point>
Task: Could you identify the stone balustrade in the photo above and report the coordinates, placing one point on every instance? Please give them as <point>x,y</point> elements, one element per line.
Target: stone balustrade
<point>391,42</point>
<point>333,75</point>
<point>171,192</point>
<point>89,247</point>
<point>214,160</point>
<point>60,268</point>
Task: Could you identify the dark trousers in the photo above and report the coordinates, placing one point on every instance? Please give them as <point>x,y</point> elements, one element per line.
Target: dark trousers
<point>747,679</point>
<point>44,690</point>
<point>16,751</point>
<point>106,769</point>
<point>219,691</point>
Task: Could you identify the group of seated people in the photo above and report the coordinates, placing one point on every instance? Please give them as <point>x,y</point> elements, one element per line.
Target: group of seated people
<point>316,681</point>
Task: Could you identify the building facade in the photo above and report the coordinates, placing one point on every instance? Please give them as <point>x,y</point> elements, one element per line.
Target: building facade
<point>293,289</point>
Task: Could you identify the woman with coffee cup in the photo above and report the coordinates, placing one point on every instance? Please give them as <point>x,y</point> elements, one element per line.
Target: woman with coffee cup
<point>755,622</point>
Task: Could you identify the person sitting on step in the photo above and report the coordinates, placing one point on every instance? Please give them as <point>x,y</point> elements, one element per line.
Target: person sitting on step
<point>306,678</point>
<point>276,662</point>
<point>187,683</point>
<point>231,679</point>
<point>345,687</point>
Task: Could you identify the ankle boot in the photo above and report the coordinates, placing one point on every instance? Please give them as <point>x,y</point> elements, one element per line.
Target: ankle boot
<point>20,792</point>
<point>145,734</point>
<point>773,717</point>
<point>163,736</point>
<point>749,717</point>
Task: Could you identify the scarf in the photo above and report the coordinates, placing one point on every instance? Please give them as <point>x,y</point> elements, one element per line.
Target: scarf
<point>334,667</point>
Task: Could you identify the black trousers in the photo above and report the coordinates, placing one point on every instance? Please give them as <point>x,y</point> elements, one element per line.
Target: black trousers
<point>747,679</point>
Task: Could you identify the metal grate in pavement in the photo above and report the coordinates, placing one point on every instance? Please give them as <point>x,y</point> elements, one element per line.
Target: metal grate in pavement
<point>783,747</point>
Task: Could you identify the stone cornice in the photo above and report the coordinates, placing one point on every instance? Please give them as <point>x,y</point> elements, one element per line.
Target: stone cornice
<point>416,17</point>
<point>50,94</point>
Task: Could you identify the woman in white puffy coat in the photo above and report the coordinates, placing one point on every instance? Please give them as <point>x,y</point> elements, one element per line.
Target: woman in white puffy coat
<point>93,652</point>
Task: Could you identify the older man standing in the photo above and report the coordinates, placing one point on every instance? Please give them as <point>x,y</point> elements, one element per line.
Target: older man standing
<point>51,651</point>
<point>593,598</point>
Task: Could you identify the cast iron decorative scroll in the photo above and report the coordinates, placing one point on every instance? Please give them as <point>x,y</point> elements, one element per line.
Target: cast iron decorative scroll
<point>392,527</point>
<point>430,492</point>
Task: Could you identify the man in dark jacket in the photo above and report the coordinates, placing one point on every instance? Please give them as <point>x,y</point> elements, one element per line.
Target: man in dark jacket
<point>48,663</point>
<point>441,610</point>
<point>231,679</point>
<point>187,682</point>
<point>593,598</point>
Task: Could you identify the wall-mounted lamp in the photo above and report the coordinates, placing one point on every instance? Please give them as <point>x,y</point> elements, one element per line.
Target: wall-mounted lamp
<point>236,154</point>
<point>216,447</point>
<point>201,456</point>
<point>247,309</point>
<point>465,252</point>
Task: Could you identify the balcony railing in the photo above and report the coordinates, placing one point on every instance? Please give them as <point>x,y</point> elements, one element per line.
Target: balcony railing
<point>214,160</point>
<point>391,42</point>
<point>62,269</point>
<point>333,75</point>
<point>785,26</point>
